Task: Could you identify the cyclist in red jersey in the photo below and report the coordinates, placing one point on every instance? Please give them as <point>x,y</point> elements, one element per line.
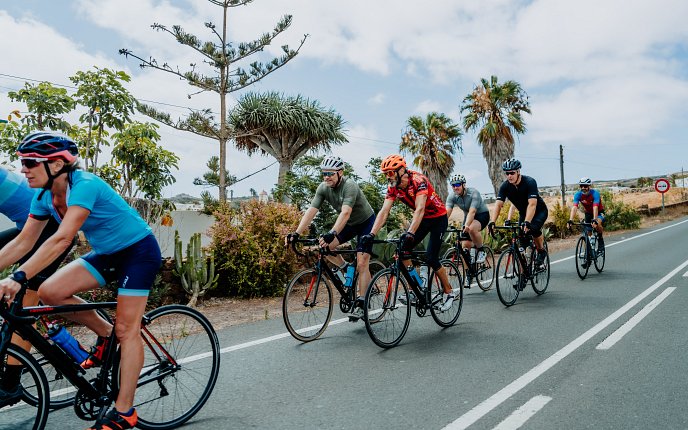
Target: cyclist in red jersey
<point>429,216</point>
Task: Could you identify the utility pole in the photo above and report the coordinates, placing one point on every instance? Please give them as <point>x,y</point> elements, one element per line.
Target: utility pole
<point>561,167</point>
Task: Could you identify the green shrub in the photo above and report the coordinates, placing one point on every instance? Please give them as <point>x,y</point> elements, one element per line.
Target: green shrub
<point>559,215</point>
<point>248,244</point>
<point>618,215</point>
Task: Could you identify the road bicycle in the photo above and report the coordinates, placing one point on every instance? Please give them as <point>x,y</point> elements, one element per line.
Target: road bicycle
<point>517,266</point>
<point>588,250</point>
<point>387,310</point>
<point>481,273</point>
<point>181,366</point>
<point>308,305</point>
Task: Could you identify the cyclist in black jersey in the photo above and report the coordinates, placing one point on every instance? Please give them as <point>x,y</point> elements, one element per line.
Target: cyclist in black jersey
<point>522,192</point>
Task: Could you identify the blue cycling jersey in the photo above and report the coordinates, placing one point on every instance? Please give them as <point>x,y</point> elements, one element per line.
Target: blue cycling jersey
<point>112,224</point>
<point>15,197</point>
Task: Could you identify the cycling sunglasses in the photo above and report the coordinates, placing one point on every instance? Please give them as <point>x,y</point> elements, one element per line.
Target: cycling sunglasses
<point>30,163</point>
<point>584,187</point>
<point>391,173</point>
<point>457,185</point>
<point>328,174</point>
<point>510,173</point>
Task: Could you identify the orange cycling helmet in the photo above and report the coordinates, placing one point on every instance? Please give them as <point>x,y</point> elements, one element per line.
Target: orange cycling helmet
<point>392,162</point>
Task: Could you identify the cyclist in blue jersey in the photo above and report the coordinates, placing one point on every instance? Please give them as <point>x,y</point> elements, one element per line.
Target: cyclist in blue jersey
<point>592,207</point>
<point>124,249</point>
<point>15,201</point>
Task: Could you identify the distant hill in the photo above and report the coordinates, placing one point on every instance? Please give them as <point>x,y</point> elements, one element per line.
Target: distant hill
<point>185,199</point>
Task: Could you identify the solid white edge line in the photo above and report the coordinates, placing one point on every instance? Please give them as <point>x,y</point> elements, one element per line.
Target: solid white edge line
<point>523,414</point>
<point>505,393</point>
<point>685,275</point>
<point>631,323</point>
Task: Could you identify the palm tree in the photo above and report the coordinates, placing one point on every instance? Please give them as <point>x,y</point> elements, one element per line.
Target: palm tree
<point>497,110</point>
<point>284,127</point>
<point>433,142</point>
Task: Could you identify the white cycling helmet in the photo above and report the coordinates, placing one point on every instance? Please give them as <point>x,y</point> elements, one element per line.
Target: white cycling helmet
<point>457,179</point>
<point>331,162</point>
<point>585,181</point>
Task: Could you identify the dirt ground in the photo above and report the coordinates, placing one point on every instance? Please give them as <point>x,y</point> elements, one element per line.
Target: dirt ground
<point>229,312</point>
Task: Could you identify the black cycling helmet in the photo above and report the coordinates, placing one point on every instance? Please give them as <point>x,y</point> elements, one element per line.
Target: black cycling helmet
<point>511,164</point>
<point>50,145</point>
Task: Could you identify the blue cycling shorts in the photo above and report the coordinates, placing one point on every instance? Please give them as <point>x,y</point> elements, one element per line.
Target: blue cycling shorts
<point>134,267</point>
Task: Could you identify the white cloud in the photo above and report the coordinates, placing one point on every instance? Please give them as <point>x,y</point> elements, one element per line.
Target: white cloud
<point>377,99</point>
<point>427,106</point>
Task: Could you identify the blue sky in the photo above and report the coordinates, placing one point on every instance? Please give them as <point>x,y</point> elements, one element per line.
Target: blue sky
<point>607,80</point>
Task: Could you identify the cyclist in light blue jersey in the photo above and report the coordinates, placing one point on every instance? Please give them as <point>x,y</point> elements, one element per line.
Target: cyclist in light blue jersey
<point>124,249</point>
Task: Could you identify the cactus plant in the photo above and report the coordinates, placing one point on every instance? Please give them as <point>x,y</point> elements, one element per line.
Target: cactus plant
<point>197,270</point>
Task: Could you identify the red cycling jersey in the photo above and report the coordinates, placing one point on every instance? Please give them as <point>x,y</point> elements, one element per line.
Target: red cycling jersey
<point>419,184</point>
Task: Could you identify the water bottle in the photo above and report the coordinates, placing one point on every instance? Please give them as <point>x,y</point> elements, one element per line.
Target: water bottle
<point>472,251</point>
<point>350,271</point>
<point>64,339</point>
<point>415,275</point>
<point>592,240</point>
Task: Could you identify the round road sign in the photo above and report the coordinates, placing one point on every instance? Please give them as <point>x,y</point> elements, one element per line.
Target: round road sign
<point>662,185</point>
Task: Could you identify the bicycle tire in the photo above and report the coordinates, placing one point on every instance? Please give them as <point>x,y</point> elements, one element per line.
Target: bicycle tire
<point>171,393</point>
<point>582,257</point>
<point>509,278</point>
<point>599,256</point>
<point>486,270</point>
<point>447,318</point>
<point>62,391</point>
<point>382,297</point>
<point>35,383</point>
<point>304,318</point>
<point>376,266</point>
<point>540,279</point>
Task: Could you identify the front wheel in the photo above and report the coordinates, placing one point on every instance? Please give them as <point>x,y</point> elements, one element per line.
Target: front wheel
<point>33,384</point>
<point>540,279</point>
<point>307,305</point>
<point>582,258</point>
<point>180,368</point>
<point>386,317</point>
<point>486,270</point>
<point>509,277</point>
<point>446,318</point>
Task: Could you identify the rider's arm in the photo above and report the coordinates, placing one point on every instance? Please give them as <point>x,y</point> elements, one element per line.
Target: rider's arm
<point>595,204</point>
<point>343,218</point>
<point>497,209</point>
<point>574,209</point>
<point>381,217</point>
<point>512,209</point>
<point>306,219</point>
<point>421,199</point>
<point>449,212</point>
<point>530,211</point>
<point>58,243</point>
<point>23,243</point>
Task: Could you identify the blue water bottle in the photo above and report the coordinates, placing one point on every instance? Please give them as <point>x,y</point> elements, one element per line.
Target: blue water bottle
<point>66,341</point>
<point>415,275</point>
<point>350,271</point>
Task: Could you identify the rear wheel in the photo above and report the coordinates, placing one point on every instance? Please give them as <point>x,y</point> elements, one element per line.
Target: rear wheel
<point>582,258</point>
<point>486,270</point>
<point>509,278</point>
<point>446,318</point>
<point>34,384</point>
<point>386,318</point>
<point>599,256</point>
<point>540,279</point>
<point>180,368</point>
<point>307,305</point>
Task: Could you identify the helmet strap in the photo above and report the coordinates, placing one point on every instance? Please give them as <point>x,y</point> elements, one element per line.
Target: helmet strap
<point>339,180</point>
<point>51,178</point>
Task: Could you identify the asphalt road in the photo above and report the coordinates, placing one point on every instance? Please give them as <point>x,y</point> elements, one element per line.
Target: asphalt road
<point>607,352</point>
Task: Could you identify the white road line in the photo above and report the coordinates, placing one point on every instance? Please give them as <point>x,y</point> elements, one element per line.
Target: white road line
<point>505,393</point>
<point>523,414</point>
<point>685,275</point>
<point>628,326</point>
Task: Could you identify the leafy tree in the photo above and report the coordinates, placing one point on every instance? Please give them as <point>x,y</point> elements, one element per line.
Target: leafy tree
<point>497,110</point>
<point>284,127</point>
<point>108,104</point>
<point>46,103</point>
<point>432,142</point>
<point>225,57</point>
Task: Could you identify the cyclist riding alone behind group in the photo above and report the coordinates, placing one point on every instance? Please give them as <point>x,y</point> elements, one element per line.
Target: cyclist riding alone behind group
<point>522,192</point>
<point>356,218</point>
<point>592,207</point>
<point>476,215</point>
<point>124,249</point>
<point>429,216</point>
<point>15,201</point>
